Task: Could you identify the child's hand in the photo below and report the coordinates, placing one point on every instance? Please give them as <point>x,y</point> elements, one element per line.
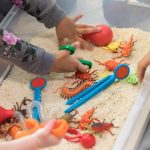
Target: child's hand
<point>65,62</point>
<point>142,65</point>
<point>44,138</point>
<point>68,29</point>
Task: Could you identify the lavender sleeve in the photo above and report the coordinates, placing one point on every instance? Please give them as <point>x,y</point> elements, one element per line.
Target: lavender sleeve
<point>27,56</point>
<point>46,11</point>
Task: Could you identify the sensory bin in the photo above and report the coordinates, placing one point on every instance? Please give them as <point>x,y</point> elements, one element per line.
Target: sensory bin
<point>113,103</point>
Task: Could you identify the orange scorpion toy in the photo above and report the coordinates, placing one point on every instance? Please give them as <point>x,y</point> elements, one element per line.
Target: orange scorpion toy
<point>126,48</point>
<point>110,64</point>
<point>86,119</point>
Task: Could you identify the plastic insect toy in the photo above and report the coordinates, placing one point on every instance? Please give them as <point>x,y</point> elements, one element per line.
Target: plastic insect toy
<point>113,46</point>
<point>100,128</point>
<point>73,135</point>
<point>6,114</point>
<point>15,123</point>
<point>16,131</point>
<point>84,75</point>
<point>109,64</point>
<point>132,79</point>
<point>126,48</point>
<point>70,117</point>
<point>20,107</point>
<point>87,140</point>
<point>67,93</point>
<point>86,119</point>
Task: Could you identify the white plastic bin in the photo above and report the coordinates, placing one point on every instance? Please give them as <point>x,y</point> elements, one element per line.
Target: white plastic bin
<point>119,13</point>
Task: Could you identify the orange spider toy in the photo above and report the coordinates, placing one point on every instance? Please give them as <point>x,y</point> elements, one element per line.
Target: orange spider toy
<point>126,48</point>
<point>109,64</point>
<point>86,119</point>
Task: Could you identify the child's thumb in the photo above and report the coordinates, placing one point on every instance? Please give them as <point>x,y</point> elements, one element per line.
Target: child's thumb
<point>82,68</point>
<point>49,125</point>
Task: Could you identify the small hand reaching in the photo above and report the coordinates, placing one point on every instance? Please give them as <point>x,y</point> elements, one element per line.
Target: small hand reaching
<point>68,29</point>
<point>65,62</point>
<point>142,65</point>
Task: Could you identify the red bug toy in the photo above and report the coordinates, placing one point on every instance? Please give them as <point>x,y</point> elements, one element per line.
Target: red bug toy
<point>103,127</point>
<point>87,140</point>
<point>83,75</point>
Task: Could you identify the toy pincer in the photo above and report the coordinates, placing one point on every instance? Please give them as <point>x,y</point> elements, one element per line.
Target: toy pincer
<point>120,72</point>
<point>37,85</point>
<point>72,49</point>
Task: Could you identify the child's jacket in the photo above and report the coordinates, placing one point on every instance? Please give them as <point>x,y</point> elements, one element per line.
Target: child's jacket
<point>31,58</point>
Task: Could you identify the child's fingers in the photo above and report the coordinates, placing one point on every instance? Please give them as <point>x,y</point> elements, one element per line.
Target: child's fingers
<point>76,18</point>
<point>141,72</point>
<point>85,44</point>
<point>143,64</point>
<point>64,53</point>
<point>79,57</point>
<point>81,67</point>
<point>83,26</point>
<point>49,126</point>
<point>88,30</point>
<point>76,44</point>
<point>61,54</point>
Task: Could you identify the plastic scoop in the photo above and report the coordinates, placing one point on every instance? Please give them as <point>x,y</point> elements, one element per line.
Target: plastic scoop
<point>37,85</point>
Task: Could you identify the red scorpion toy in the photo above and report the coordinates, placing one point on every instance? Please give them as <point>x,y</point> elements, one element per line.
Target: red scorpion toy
<point>83,75</point>
<point>103,127</point>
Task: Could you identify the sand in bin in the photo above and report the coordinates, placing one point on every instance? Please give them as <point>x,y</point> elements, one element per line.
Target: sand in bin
<point>113,103</point>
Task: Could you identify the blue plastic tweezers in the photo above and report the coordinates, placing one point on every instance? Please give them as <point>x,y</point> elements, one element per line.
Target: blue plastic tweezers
<point>97,87</point>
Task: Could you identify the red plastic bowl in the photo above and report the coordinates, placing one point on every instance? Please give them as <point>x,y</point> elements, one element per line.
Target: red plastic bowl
<point>102,38</point>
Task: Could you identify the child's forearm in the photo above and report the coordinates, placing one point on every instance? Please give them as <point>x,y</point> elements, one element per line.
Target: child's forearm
<point>30,58</point>
<point>25,143</point>
<point>46,11</point>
